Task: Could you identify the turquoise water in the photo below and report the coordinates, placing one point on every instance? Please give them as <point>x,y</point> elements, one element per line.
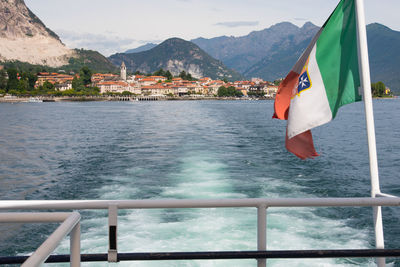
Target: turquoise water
<point>196,149</point>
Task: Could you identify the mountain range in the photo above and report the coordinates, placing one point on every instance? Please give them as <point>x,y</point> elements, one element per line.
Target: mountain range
<point>142,48</point>
<point>270,53</point>
<point>241,53</point>
<point>384,55</point>
<point>176,55</point>
<point>267,54</point>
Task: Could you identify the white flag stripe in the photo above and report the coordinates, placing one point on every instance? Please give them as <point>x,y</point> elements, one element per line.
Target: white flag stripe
<point>310,108</point>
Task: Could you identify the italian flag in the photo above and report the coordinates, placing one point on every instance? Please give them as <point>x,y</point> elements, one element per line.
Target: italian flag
<point>325,77</point>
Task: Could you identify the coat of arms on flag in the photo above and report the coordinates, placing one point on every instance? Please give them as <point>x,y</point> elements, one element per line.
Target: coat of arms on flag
<point>304,81</point>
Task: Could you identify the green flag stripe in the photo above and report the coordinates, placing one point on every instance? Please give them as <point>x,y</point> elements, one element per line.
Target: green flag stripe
<point>337,57</point>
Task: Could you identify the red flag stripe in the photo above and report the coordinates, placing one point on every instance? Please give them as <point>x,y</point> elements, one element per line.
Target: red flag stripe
<point>301,145</point>
<point>284,95</point>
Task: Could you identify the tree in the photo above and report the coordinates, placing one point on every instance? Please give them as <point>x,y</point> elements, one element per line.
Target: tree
<point>3,79</point>
<point>32,78</point>
<point>126,93</point>
<point>378,89</point>
<point>229,92</point>
<point>13,81</point>
<point>160,72</point>
<point>86,75</point>
<point>77,84</point>
<point>222,91</point>
<point>182,75</point>
<point>186,76</point>
<point>46,88</point>
<point>258,93</point>
<point>168,74</point>
<point>278,82</point>
<point>23,86</point>
<point>69,92</point>
<point>237,93</point>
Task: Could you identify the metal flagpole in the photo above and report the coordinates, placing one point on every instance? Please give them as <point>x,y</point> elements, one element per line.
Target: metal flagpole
<point>366,85</point>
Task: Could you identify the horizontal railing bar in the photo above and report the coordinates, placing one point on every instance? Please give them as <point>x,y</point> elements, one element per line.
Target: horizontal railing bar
<point>217,255</point>
<point>198,203</point>
<point>33,217</point>
<point>384,195</point>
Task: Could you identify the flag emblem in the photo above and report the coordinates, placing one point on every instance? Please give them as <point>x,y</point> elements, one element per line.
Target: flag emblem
<point>304,82</point>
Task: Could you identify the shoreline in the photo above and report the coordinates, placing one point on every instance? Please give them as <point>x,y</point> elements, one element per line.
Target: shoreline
<point>121,99</point>
<point>134,99</point>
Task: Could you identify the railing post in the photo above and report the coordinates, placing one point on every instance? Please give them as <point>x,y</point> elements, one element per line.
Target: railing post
<point>262,232</point>
<point>112,233</point>
<point>75,246</point>
<point>379,240</point>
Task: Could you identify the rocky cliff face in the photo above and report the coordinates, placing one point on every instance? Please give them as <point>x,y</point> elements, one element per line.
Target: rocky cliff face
<point>24,37</point>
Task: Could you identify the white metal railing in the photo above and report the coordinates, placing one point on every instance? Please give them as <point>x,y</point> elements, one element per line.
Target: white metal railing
<point>262,204</point>
<point>70,224</point>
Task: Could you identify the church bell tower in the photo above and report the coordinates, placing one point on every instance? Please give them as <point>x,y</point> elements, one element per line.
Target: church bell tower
<point>123,71</point>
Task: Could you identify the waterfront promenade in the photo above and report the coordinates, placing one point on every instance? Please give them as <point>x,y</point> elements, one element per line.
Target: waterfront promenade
<point>15,99</point>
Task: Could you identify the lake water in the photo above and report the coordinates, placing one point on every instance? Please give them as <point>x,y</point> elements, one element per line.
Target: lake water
<point>196,149</point>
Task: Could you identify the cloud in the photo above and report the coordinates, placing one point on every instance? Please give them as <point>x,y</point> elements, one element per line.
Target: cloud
<point>106,44</point>
<point>234,24</point>
<point>216,9</point>
<point>300,19</point>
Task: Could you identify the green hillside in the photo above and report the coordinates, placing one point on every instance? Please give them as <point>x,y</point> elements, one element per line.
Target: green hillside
<point>176,55</point>
<point>92,59</point>
<point>384,55</point>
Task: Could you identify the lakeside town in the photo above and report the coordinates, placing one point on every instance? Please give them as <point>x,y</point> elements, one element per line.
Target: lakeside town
<point>159,85</point>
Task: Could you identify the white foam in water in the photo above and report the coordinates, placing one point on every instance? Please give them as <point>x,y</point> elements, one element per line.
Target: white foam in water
<point>202,176</point>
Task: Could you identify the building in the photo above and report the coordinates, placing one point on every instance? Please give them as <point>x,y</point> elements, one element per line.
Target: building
<point>257,80</point>
<point>158,90</point>
<point>63,86</point>
<point>271,90</point>
<point>123,71</point>
<point>159,86</point>
<point>158,78</point>
<point>147,81</point>
<point>61,82</point>
<point>98,77</point>
<point>113,86</point>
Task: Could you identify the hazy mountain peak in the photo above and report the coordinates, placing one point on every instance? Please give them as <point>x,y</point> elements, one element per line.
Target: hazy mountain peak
<point>309,25</point>
<point>141,48</point>
<point>284,24</point>
<point>378,26</point>
<point>174,40</point>
<point>241,53</point>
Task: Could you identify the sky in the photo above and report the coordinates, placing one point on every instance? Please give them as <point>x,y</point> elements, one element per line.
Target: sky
<point>111,26</point>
